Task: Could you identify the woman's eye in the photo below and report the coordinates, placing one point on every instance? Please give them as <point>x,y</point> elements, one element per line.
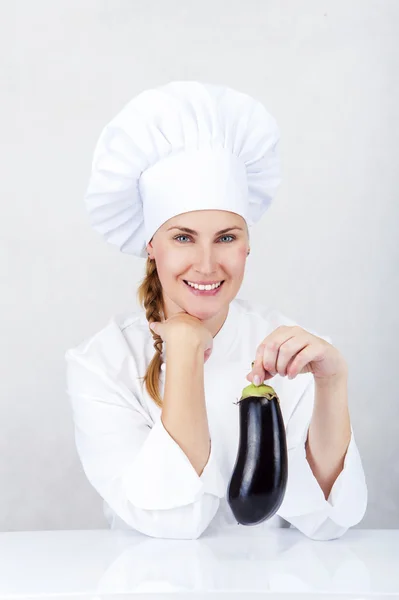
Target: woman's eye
<point>186,236</point>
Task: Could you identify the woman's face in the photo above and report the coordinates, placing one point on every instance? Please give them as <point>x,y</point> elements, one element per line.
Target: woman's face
<point>206,255</point>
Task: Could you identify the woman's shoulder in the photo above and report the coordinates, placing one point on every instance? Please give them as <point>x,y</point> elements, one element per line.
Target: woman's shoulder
<point>110,361</point>
<point>124,333</point>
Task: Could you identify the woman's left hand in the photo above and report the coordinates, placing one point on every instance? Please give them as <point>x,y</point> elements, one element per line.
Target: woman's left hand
<point>291,351</point>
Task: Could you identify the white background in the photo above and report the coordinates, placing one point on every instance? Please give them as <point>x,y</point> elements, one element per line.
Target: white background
<point>326,253</point>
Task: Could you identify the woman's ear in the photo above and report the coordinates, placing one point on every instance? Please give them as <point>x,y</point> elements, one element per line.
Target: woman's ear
<point>149,249</point>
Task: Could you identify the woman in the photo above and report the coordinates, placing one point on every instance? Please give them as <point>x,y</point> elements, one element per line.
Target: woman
<point>178,177</point>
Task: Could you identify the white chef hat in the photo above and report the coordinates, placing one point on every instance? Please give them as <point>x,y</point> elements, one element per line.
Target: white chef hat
<point>177,148</point>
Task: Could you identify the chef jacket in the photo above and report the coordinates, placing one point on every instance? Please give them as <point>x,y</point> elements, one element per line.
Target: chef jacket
<point>145,479</point>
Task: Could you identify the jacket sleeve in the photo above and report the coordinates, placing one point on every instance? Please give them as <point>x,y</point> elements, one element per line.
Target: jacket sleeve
<point>133,463</point>
<point>304,504</point>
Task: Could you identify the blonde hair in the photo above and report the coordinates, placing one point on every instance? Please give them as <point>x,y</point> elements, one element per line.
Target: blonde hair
<point>150,296</point>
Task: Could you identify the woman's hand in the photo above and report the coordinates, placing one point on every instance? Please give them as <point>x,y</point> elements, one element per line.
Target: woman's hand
<point>183,326</point>
<point>291,351</point>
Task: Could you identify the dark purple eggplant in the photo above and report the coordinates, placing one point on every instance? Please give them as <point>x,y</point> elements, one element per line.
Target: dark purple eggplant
<point>259,479</point>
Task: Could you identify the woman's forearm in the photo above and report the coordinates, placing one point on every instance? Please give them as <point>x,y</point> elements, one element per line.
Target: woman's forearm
<point>329,432</point>
<point>184,413</point>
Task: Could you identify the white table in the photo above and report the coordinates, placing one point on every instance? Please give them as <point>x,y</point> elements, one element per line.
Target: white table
<point>281,564</point>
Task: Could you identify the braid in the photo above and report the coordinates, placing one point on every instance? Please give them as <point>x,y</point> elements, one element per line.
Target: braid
<point>150,296</point>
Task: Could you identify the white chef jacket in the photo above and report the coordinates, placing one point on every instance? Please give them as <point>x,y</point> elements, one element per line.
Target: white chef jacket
<point>145,479</point>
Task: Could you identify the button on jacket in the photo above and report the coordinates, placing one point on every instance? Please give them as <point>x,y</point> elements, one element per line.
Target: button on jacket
<point>147,482</point>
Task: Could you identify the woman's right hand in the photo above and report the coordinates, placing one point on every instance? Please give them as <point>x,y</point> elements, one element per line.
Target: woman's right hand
<point>184,326</point>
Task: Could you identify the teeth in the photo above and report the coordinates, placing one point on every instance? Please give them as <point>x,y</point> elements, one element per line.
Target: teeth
<point>204,287</point>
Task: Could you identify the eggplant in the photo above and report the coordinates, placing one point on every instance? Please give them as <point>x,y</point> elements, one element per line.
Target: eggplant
<point>259,478</point>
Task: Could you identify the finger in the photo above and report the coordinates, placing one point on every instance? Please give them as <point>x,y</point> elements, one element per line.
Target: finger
<point>301,362</point>
<point>265,364</point>
<point>272,347</point>
<point>288,352</point>
<point>258,375</point>
<point>250,376</point>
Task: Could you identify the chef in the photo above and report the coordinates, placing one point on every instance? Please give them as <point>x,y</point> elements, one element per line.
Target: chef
<point>178,178</point>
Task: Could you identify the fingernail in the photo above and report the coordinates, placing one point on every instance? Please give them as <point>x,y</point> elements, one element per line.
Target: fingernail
<point>256,380</point>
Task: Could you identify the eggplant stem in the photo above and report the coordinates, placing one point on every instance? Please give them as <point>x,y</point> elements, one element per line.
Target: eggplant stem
<point>262,391</point>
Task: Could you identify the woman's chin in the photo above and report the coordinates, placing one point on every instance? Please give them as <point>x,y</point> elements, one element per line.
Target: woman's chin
<point>202,313</point>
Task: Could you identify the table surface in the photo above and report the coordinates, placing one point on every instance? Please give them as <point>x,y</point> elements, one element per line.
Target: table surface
<point>281,563</point>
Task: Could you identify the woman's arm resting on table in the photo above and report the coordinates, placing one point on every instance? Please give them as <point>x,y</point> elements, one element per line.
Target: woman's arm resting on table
<point>326,492</point>
<point>136,466</point>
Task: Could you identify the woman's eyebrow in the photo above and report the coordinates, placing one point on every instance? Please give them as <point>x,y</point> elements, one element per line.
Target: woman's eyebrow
<point>188,230</point>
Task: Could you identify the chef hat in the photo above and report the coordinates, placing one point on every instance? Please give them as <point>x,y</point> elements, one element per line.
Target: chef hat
<point>177,148</point>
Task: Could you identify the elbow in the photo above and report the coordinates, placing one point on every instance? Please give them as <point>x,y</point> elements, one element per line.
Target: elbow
<point>180,523</point>
<point>327,532</point>
<point>327,528</point>
<point>197,518</point>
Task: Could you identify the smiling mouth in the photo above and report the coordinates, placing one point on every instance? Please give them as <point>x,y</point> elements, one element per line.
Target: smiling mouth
<point>212,289</point>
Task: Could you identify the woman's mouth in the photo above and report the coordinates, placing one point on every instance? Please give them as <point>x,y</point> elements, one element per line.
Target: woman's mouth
<point>196,292</point>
